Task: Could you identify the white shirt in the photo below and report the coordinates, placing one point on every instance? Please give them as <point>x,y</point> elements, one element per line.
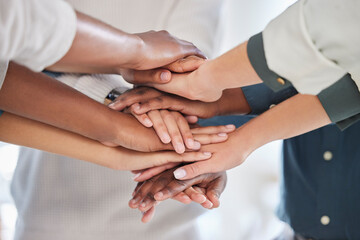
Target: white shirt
<point>35,33</point>
<point>314,43</point>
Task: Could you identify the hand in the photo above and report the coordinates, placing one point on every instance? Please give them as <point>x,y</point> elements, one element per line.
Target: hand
<point>205,189</point>
<point>225,156</point>
<point>163,74</point>
<point>197,85</point>
<point>161,48</point>
<point>144,99</point>
<point>172,127</point>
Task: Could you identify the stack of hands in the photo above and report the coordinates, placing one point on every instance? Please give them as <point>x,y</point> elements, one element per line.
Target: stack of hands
<point>174,120</point>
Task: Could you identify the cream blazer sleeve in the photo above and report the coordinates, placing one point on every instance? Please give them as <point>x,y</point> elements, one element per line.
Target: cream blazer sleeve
<point>314,43</point>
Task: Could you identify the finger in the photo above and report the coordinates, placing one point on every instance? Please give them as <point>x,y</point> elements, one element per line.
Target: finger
<point>142,118</point>
<point>192,119</point>
<point>135,201</point>
<point>214,129</point>
<point>211,138</point>
<point>132,96</point>
<point>195,169</point>
<point>174,132</point>
<point>184,130</point>
<point>215,190</point>
<point>138,185</point>
<point>187,64</point>
<point>150,76</point>
<point>182,197</point>
<point>148,215</point>
<point>195,196</point>
<point>172,157</point>
<point>160,102</point>
<point>159,126</point>
<point>207,203</point>
<point>149,173</point>
<point>144,197</point>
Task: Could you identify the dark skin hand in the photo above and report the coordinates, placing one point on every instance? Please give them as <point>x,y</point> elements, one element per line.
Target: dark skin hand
<point>204,189</point>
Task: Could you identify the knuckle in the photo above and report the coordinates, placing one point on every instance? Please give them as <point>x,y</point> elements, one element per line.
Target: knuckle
<point>150,195</point>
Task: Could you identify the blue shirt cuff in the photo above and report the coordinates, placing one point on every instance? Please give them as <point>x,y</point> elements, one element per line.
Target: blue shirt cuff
<point>260,97</point>
<point>256,54</point>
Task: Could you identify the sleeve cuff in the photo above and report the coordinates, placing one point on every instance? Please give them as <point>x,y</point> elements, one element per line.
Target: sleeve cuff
<point>96,86</point>
<point>3,70</point>
<point>291,53</point>
<point>256,54</point>
<point>341,102</point>
<point>260,98</point>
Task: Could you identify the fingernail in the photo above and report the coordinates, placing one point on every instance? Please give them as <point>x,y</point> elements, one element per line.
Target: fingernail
<point>203,199</point>
<point>165,76</point>
<point>136,106</point>
<point>210,205</point>
<point>148,122</point>
<point>179,173</point>
<point>136,176</point>
<point>207,154</point>
<point>133,201</point>
<point>197,145</point>
<point>143,205</point>
<point>230,126</point>
<point>158,195</point>
<point>180,147</point>
<point>222,134</point>
<point>165,138</point>
<point>112,105</point>
<point>190,143</point>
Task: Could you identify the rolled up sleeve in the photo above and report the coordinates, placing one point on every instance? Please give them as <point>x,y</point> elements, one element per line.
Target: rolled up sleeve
<point>36,33</point>
<point>303,43</point>
<point>341,102</point>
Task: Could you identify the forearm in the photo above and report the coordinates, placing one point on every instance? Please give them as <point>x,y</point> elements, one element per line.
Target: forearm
<point>29,133</point>
<point>232,101</point>
<point>25,132</point>
<point>108,50</point>
<point>39,97</point>
<point>231,70</point>
<point>295,116</point>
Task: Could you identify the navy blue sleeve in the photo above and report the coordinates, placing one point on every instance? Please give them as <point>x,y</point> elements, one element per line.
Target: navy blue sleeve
<point>260,97</point>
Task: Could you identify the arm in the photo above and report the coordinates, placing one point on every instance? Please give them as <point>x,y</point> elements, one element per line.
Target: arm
<point>26,132</point>
<point>39,97</point>
<point>308,54</point>
<point>297,115</point>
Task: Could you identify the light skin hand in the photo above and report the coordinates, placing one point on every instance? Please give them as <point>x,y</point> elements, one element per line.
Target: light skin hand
<point>295,116</point>
<point>231,70</point>
<point>204,135</point>
<point>163,74</point>
<point>172,127</point>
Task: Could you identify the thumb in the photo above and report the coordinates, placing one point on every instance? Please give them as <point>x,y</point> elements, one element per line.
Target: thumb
<point>193,170</point>
<point>139,77</point>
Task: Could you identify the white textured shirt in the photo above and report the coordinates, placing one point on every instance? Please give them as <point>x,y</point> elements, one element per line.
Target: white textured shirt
<point>314,43</point>
<point>35,33</point>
